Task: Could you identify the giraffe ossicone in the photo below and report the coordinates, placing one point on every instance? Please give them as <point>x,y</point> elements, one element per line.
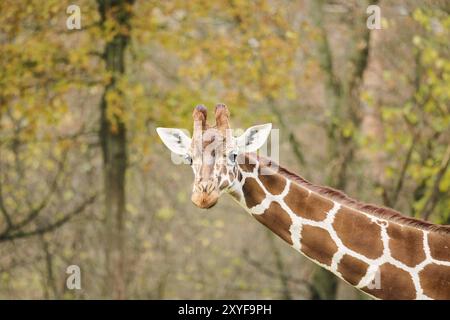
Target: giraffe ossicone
<point>377,250</point>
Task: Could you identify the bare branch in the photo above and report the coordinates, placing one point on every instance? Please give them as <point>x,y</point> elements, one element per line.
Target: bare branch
<point>392,201</point>
<point>4,210</point>
<point>50,227</point>
<point>434,196</point>
<point>34,213</point>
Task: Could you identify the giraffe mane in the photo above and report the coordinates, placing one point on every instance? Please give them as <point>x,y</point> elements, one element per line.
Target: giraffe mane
<point>372,209</point>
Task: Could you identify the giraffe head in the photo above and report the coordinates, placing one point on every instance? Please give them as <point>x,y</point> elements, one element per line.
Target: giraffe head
<point>213,152</point>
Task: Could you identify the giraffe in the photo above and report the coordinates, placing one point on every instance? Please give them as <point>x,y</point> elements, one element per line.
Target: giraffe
<point>377,250</point>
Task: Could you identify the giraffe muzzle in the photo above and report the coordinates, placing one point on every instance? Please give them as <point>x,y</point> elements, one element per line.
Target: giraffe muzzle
<point>205,200</point>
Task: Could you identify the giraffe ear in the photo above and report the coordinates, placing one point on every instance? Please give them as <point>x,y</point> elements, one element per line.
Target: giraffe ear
<point>175,139</point>
<point>253,138</point>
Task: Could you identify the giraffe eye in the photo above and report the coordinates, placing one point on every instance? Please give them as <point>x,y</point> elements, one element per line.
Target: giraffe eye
<point>188,159</point>
<point>232,157</point>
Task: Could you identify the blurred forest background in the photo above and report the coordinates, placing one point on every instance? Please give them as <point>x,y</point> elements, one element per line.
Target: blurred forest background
<point>85,181</point>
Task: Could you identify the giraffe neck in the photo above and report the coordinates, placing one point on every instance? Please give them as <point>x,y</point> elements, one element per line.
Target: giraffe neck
<point>384,258</point>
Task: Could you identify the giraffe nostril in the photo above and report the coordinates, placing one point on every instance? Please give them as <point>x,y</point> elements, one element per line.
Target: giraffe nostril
<point>204,187</point>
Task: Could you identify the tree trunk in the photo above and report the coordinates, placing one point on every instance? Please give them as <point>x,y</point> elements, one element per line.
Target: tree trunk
<point>114,145</point>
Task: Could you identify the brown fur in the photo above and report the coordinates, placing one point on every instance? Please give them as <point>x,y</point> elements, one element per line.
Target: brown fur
<point>277,220</point>
<point>396,284</point>
<point>435,281</point>
<point>253,193</point>
<point>439,246</point>
<point>352,269</point>
<point>406,244</point>
<point>358,233</point>
<point>311,208</point>
<point>318,244</point>
<point>274,184</point>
